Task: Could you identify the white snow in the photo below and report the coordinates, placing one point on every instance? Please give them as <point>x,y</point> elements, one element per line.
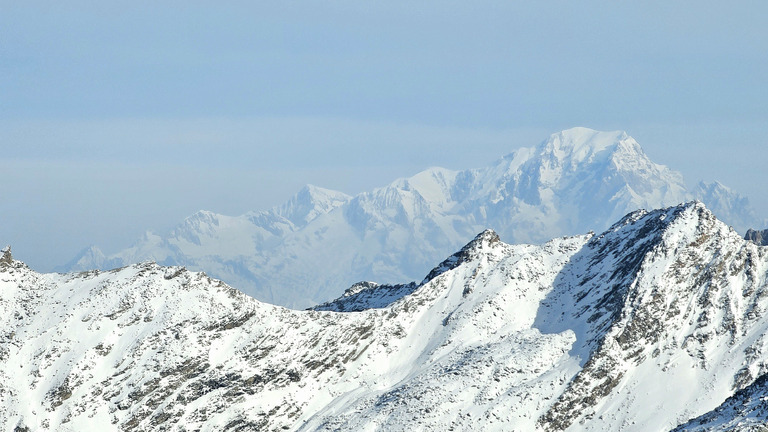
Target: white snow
<point>654,322</point>
<point>319,242</point>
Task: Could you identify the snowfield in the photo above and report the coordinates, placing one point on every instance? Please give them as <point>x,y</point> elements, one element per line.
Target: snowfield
<point>657,323</point>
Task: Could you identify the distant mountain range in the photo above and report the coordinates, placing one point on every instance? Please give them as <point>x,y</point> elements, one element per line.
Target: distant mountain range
<point>657,323</point>
<point>301,253</point>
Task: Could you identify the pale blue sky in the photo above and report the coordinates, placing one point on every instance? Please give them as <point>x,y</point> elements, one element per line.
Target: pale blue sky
<point>116,117</point>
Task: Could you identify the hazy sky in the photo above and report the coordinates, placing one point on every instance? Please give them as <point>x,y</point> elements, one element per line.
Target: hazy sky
<point>122,116</point>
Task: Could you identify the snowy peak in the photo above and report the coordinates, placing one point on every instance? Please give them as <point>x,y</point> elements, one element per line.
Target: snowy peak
<point>202,223</point>
<point>582,144</point>
<point>90,256</point>
<point>484,242</point>
<point>309,203</point>
<point>582,149</point>
<point>644,223</point>
<point>727,204</point>
<point>400,205</point>
<point>630,245</point>
<point>681,293</point>
<point>620,161</point>
<point>576,181</point>
<point>370,295</point>
<point>433,185</point>
<point>715,188</point>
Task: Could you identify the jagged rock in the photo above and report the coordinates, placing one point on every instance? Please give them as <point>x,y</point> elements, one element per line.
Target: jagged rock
<point>759,238</point>
<point>6,259</point>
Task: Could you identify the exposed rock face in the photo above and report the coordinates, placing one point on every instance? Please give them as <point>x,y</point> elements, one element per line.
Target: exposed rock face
<point>367,295</point>
<point>759,238</point>
<point>652,323</point>
<point>6,259</point>
<point>305,251</point>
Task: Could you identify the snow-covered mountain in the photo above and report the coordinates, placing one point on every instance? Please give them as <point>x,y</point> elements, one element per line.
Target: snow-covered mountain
<point>655,322</point>
<point>728,205</point>
<point>300,253</point>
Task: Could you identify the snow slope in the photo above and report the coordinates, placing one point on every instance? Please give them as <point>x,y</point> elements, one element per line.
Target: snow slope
<point>745,411</point>
<point>301,253</point>
<point>656,321</point>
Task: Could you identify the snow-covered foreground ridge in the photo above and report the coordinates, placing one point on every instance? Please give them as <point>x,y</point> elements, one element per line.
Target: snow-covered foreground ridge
<point>644,327</point>
<point>303,252</point>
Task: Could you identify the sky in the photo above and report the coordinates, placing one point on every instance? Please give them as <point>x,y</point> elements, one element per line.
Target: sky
<point>119,117</point>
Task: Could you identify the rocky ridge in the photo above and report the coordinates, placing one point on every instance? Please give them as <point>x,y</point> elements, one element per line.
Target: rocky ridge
<point>646,326</point>
<point>759,238</point>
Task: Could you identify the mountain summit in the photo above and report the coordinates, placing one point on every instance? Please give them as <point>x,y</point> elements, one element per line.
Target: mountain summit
<point>577,180</point>
<point>300,253</point>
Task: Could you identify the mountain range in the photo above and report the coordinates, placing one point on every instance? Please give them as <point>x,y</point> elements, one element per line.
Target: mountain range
<point>300,253</point>
<point>657,323</point>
